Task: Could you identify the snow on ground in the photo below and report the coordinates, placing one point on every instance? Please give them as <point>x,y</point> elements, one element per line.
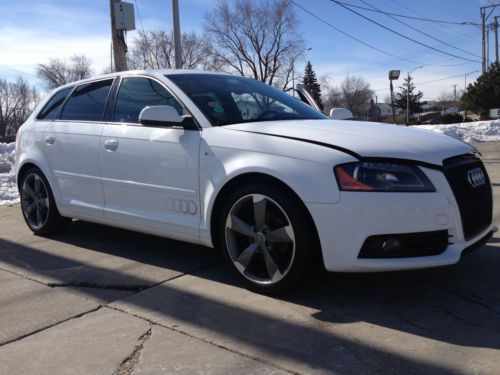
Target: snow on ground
<point>8,188</point>
<point>478,131</point>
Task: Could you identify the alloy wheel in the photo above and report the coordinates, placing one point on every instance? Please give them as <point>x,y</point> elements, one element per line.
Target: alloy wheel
<point>35,201</point>
<point>260,239</point>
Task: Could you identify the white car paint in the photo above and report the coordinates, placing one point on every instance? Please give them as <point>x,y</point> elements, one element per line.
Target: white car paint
<point>165,181</point>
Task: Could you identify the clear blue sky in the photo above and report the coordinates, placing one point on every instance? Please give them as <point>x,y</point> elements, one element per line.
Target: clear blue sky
<point>33,30</point>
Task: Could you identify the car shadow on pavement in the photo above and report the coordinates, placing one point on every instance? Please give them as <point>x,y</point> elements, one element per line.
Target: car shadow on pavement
<point>432,304</point>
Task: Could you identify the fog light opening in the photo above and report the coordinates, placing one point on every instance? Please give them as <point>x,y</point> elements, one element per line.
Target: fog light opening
<point>391,244</point>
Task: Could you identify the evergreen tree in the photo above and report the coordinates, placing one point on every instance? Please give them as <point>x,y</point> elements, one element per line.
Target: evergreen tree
<point>408,90</point>
<point>484,94</point>
<point>310,83</point>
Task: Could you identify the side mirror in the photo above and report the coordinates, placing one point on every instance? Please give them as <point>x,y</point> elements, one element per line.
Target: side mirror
<point>167,116</point>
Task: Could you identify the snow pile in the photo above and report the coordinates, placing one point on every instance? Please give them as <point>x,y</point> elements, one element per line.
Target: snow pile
<point>8,187</point>
<point>478,131</point>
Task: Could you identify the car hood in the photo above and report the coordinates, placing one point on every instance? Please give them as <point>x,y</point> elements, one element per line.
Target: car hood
<point>365,139</point>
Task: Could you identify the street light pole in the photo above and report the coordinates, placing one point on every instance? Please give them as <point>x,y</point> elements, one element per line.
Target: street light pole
<point>408,95</point>
<point>393,74</point>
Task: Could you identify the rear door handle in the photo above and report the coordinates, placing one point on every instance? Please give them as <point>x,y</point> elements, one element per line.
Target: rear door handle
<point>50,139</point>
<point>111,144</point>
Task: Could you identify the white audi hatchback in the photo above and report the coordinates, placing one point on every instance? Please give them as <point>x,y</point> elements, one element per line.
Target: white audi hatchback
<point>226,161</point>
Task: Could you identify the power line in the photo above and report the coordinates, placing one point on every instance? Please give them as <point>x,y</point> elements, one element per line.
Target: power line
<point>139,15</point>
<point>445,78</point>
<point>437,80</point>
<point>359,40</point>
<point>420,31</point>
<point>442,26</point>
<point>18,71</point>
<point>400,34</point>
<point>410,17</point>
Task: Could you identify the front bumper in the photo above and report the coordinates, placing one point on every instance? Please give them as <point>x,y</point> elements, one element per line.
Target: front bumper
<point>343,227</point>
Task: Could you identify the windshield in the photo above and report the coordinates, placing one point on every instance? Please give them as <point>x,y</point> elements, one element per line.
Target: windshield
<point>227,100</point>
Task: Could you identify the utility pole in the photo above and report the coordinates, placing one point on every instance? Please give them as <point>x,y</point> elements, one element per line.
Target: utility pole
<point>177,35</point>
<point>482,9</point>
<point>118,38</point>
<point>455,91</point>
<point>487,47</point>
<point>484,18</point>
<point>496,38</point>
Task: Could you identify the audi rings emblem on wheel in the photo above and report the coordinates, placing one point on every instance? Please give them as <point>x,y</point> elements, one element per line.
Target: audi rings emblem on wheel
<point>260,239</point>
<point>182,206</point>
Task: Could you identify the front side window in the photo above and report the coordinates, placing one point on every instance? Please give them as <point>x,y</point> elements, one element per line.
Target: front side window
<point>227,100</point>
<point>87,102</point>
<point>52,110</point>
<point>138,92</point>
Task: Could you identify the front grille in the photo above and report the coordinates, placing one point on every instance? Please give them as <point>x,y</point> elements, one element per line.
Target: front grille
<point>475,203</point>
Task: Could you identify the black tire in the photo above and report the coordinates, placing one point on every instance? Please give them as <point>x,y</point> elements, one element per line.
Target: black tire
<point>286,207</point>
<point>52,221</point>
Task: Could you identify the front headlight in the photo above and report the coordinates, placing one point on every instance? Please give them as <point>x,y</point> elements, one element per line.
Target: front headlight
<point>387,177</point>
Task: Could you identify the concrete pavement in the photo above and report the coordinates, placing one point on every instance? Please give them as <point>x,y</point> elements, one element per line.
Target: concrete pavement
<point>102,300</point>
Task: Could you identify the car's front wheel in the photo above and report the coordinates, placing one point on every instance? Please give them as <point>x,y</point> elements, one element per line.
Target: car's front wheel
<point>38,205</point>
<point>267,237</point>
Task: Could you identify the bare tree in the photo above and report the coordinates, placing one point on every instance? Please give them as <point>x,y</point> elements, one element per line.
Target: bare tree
<point>17,101</point>
<point>356,92</point>
<point>155,50</point>
<point>258,38</point>
<point>58,72</point>
<point>333,98</point>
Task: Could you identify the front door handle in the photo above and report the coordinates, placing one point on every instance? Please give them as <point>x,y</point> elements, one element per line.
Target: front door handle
<point>50,139</point>
<point>111,144</point>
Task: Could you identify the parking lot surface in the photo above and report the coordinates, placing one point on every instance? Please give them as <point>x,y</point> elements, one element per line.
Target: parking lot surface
<point>100,300</point>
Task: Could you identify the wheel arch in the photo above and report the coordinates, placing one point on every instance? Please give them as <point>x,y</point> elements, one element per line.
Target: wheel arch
<point>253,177</point>
<point>22,170</point>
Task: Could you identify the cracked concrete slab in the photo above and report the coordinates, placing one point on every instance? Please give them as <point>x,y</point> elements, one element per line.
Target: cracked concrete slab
<point>169,352</point>
<point>390,323</point>
<point>27,306</point>
<point>95,343</point>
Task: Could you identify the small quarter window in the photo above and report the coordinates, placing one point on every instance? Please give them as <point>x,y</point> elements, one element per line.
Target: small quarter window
<point>87,102</point>
<point>52,110</point>
<point>138,92</point>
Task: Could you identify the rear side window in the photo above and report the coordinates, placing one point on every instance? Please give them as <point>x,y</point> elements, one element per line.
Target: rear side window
<point>52,109</point>
<point>138,92</point>
<point>87,102</point>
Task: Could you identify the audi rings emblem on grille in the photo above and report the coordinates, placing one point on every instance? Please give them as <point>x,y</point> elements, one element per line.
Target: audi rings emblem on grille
<point>182,206</point>
<point>476,177</point>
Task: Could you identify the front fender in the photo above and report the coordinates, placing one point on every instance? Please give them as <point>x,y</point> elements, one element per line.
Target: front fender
<point>312,182</point>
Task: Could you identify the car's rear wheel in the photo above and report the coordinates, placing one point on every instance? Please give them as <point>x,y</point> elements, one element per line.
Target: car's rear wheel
<point>267,237</point>
<point>38,205</point>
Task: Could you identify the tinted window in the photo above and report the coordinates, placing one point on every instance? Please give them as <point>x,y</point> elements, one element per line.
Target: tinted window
<point>87,102</point>
<point>226,99</point>
<point>136,93</point>
<point>52,109</point>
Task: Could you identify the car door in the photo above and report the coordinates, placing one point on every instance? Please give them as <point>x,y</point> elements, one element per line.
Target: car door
<point>72,145</point>
<point>150,174</point>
